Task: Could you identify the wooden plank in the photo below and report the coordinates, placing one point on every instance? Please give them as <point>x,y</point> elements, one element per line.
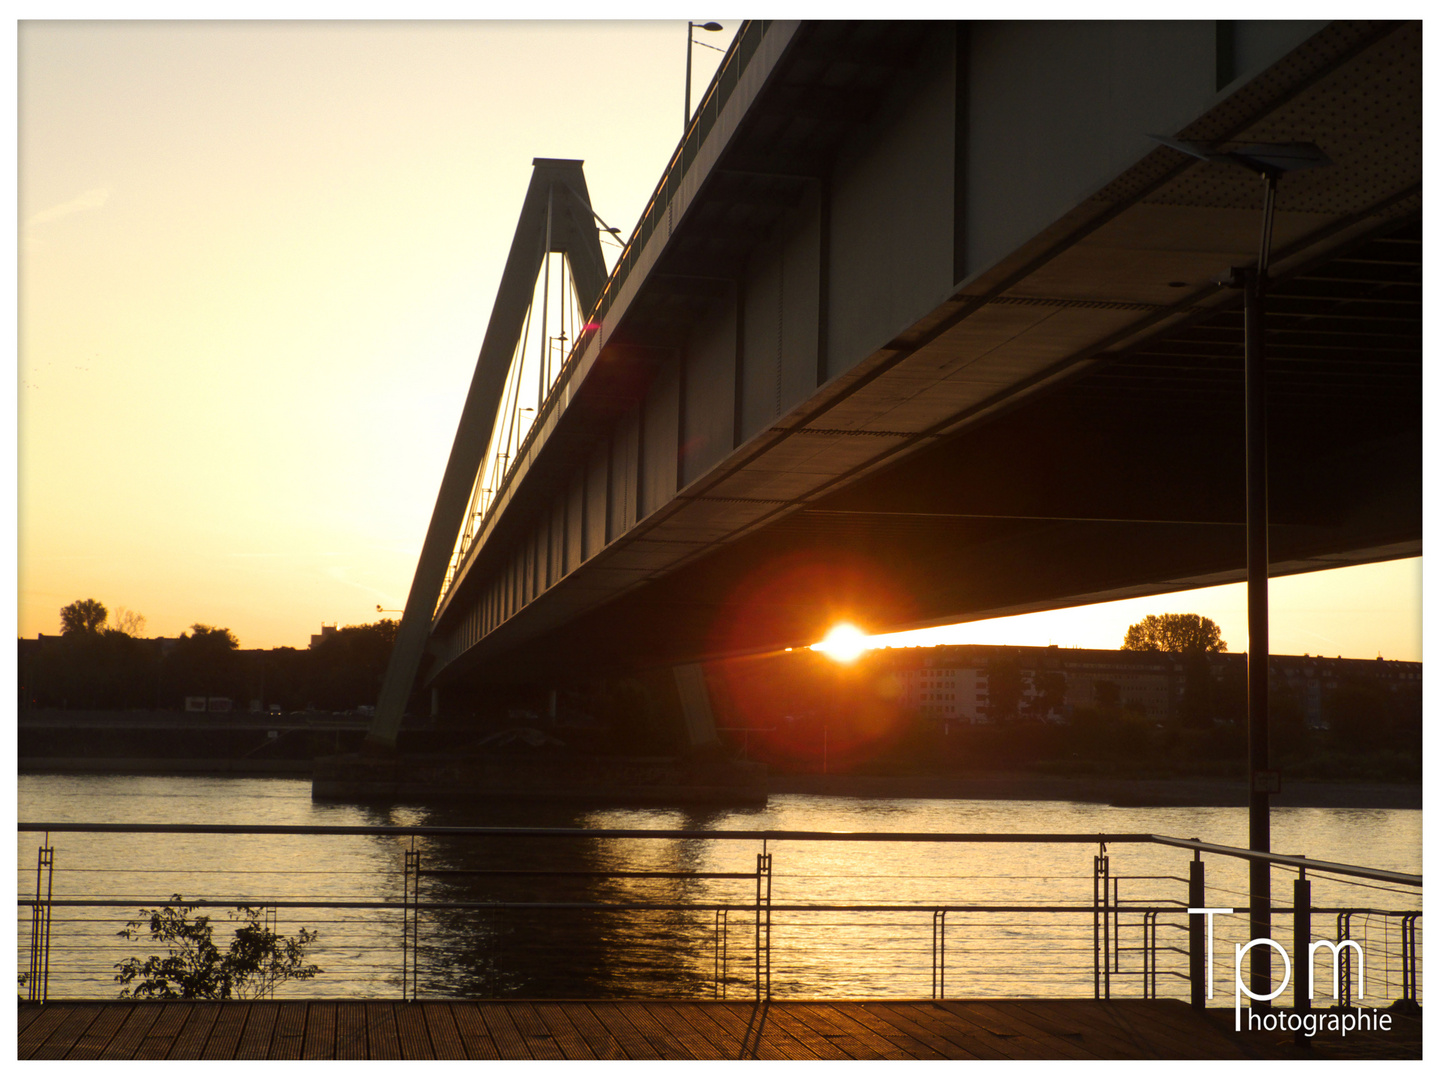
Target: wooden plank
<point>959,1030</point>
<point>132,1032</point>
<point>474,1034</point>
<point>444,1036</point>
<point>163,1033</point>
<point>1157,1033</point>
<point>27,1013</point>
<point>189,1044</point>
<point>1129,1034</point>
<point>288,1043</point>
<point>682,1030</point>
<point>1176,1017</point>
<point>727,1043</point>
<point>383,1032</point>
<point>224,1038</point>
<point>859,1011</point>
<point>598,1037</point>
<point>1022,1043</point>
<point>538,1038</point>
<point>1077,1029</point>
<point>1008,1018</point>
<point>414,1035</point>
<point>951,1049</point>
<point>99,1034</point>
<point>833,1047</point>
<point>319,1044</point>
<point>59,1042</point>
<point>759,1038</point>
<point>851,1027</point>
<point>352,1034</point>
<point>634,1043</point>
<point>259,1030</point>
<point>509,1043</point>
<point>1083,1026</point>
<point>567,1036</point>
<point>41,1027</point>
<point>669,1047</point>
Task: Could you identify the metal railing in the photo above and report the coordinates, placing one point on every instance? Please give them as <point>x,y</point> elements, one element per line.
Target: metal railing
<point>733,65</point>
<point>417,911</point>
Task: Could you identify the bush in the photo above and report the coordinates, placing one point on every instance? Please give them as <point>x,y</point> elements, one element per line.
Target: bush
<point>257,961</point>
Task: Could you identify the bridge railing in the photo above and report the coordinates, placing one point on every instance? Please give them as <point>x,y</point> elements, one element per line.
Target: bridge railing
<point>428,911</point>
<point>738,56</point>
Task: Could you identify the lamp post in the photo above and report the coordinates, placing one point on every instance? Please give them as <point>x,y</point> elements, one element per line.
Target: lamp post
<point>1271,161</point>
<point>689,48</point>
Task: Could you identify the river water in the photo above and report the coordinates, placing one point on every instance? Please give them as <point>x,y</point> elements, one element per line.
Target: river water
<point>846,919</point>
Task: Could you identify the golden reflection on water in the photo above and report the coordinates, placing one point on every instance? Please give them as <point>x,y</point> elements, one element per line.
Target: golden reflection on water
<point>578,939</point>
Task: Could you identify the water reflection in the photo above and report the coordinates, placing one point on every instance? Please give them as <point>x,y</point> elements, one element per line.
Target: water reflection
<point>571,946</point>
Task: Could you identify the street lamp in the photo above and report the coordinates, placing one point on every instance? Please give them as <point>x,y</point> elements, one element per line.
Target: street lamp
<point>1271,161</point>
<point>690,42</point>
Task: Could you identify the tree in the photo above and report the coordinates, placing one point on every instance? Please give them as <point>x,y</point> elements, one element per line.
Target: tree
<point>1006,687</point>
<point>1050,696</point>
<point>82,617</point>
<point>257,961</point>
<point>203,662</point>
<point>127,622</point>
<point>1174,633</point>
<point>348,667</point>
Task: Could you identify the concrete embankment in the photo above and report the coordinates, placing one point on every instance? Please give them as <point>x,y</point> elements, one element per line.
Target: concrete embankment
<point>161,741</point>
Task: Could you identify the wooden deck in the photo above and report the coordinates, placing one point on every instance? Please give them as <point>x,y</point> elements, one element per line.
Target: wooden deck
<point>785,1030</point>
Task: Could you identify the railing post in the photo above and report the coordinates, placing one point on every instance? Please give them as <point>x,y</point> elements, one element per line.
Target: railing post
<point>937,954</point>
<point>1342,933</point>
<point>1152,954</point>
<point>1096,916</point>
<point>1102,909</point>
<point>1409,970</point>
<point>272,926</point>
<point>38,980</point>
<point>762,922</point>
<point>410,931</point>
<point>1105,913</point>
<point>1197,933</point>
<point>1113,886</point>
<point>722,942</point>
<point>1304,991</point>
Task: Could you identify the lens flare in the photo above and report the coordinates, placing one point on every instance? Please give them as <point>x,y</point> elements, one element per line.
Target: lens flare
<point>845,643</point>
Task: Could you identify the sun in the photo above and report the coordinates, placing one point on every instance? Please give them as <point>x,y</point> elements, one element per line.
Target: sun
<point>845,642</point>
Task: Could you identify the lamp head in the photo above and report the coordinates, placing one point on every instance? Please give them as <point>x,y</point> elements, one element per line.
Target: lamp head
<point>1271,159</point>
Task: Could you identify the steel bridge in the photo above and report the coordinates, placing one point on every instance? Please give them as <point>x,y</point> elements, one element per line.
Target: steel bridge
<point>922,325</point>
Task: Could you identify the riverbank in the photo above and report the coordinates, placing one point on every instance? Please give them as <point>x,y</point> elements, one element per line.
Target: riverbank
<point>1112,791</point>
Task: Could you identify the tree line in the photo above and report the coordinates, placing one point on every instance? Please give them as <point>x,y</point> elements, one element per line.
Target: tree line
<point>100,661</point>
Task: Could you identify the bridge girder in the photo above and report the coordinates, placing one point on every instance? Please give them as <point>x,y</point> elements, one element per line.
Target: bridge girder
<point>1058,422</point>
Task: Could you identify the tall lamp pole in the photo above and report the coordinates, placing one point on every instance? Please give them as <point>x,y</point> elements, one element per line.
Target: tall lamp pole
<point>1271,161</point>
<point>690,44</point>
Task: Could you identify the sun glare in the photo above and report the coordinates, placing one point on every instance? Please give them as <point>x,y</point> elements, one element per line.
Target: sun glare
<point>844,643</point>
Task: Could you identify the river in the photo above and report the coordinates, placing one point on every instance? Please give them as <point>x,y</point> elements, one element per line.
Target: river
<point>594,948</point>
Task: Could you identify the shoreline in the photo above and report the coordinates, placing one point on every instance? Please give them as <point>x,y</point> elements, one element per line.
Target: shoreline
<point>1114,791</point>
<point>1020,787</point>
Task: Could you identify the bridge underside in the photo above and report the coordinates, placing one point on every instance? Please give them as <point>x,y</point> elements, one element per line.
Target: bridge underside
<point>1127,481</point>
<point>1066,427</point>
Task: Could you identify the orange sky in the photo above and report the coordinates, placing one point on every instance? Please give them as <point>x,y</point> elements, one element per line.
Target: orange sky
<point>256,262</point>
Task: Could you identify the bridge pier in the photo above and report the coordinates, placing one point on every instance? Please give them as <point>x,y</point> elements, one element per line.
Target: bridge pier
<point>695,707</point>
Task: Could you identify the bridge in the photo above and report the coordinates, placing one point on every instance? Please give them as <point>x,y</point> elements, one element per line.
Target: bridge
<point>922,325</point>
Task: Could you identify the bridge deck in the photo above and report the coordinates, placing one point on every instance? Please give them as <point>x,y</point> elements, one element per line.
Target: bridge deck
<point>783,1030</point>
